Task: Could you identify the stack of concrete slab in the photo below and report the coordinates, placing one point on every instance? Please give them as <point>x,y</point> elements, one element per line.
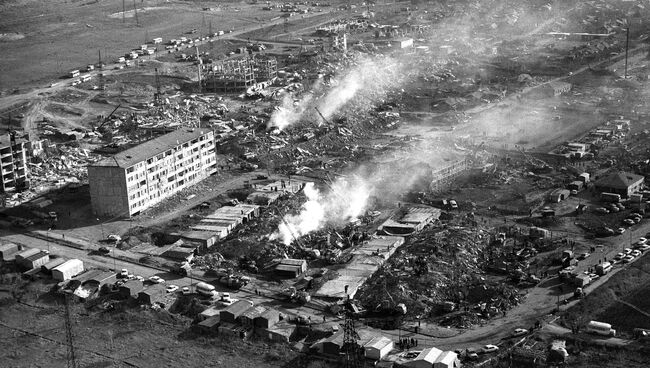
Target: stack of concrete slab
<point>269,193</point>
<point>365,261</point>
<point>225,219</point>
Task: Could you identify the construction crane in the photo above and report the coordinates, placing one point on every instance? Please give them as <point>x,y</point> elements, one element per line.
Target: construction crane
<point>70,355</point>
<point>156,97</point>
<point>321,115</point>
<point>108,117</point>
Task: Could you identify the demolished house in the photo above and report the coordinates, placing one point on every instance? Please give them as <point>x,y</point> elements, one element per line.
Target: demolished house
<point>409,220</point>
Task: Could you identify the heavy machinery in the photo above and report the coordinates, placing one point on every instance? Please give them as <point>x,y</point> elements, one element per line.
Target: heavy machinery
<point>181,268</point>
<point>296,296</point>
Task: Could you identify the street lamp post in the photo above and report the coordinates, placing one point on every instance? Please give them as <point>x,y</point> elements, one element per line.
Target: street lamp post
<point>47,235</point>
<point>101,224</point>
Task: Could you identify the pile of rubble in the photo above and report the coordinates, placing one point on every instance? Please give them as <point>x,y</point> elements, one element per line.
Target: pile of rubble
<point>440,270</point>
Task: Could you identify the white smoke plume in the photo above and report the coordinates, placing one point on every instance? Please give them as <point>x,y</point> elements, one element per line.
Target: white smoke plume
<point>368,80</point>
<point>345,201</point>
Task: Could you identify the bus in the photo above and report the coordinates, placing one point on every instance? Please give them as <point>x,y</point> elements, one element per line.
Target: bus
<point>205,289</point>
<point>600,328</point>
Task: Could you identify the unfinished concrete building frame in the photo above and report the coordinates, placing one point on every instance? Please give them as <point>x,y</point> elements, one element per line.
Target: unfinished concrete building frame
<point>442,177</point>
<point>140,177</point>
<point>239,75</point>
<point>13,163</point>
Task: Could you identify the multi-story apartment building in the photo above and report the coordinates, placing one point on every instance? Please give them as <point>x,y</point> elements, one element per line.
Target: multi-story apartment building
<point>142,176</point>
<point>13,163</point>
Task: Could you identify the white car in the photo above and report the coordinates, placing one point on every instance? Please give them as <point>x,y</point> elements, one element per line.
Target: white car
<point>114,238</point>
<point>124,273</point>
<point>139,278</point>
<point>627,251</point>
<point>627,259</point>
<point>635,253</point>
<point>171,288</point>
<point>186,291</point>
<point>156,280</point>
<point>519,332</point>
<point>489,349</point>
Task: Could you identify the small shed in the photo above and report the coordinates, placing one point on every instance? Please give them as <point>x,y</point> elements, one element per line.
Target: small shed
<point>153,294</point>
<point>35,260</point>
<point>131,288</point>
<point>209,313</point>
<point>250,315</point>
<point>267,319</point>
<point>209,325</point>
<point>204,238</point>
<point>291,267</point>
<point>20,257</point>
<point>47,268</point>
<point>233,311</point>
<point>8,251</point>
<point>67,269</point>
<point>378,347</point>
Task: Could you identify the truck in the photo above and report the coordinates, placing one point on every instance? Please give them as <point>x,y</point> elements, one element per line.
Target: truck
<point>181,268</point>
<point>296,296</point>
<point>610,197</point>
<point>600,328</point>
<point>234,282</point>
<point>603,268</point>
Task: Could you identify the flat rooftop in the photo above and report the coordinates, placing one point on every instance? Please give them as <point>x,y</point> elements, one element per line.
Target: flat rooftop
<point>151,148</point>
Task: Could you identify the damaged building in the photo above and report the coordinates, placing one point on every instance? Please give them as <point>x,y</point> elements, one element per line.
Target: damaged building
<point>140,177</point>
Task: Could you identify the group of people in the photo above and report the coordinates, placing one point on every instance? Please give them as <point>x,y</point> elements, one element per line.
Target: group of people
<point>407,343</point>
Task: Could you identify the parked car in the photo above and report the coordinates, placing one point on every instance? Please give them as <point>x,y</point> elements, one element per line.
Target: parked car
<point>583,255</point>
<point>643,240</point>
<point>620,230</point>
<point>171,288</point>
<point>619,257</point>
<point>620,205</point>
<point>104,250</point>
<point>627,251</point>
<point>519,332</point>
<point>635,253</point>
<point>489,349</point>
<point>156,280</point>
<point>124,273</point>
<point>613,209</point>
<point>186,291</point>
<point>627,259</point>
<point>628,222</point>
<point>114,238</point>
<point>453,205</point>
<point>602,210</point>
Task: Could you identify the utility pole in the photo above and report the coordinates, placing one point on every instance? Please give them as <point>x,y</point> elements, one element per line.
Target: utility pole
<point>627,46</point>
<point>350,345</point>
<point>136,14</point>
<point>200,63</point>
<point>123,11</point>
<point>72,360</point>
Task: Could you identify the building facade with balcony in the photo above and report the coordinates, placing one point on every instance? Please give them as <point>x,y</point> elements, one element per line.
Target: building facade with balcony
<point>140,177</point>
<point>13,163</point>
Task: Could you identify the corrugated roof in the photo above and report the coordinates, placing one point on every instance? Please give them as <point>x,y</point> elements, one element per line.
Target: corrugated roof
<point>237,308</point>
<point>8,246</point>
<point>151,148</point>
<point>429,355</point>
<point>619,180</point>
<point>379,342</point>
<point>293,262</point>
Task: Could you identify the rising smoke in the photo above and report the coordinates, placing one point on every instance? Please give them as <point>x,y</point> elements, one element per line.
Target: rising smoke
<point>361,85</point>
<point>346,200</point>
